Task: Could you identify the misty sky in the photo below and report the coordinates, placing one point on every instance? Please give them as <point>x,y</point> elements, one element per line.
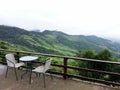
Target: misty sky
<point>76,17</point>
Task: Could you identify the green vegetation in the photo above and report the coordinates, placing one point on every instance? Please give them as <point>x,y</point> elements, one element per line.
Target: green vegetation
<point>3,45</point>
<point>102,55</point>
<point>54,42</point>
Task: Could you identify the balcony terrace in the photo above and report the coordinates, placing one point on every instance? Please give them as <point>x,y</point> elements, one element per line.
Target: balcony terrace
<point>58,83</point>
<point>62,80</point>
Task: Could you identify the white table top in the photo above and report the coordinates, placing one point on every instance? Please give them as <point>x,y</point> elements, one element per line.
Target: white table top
<point>28,58</point>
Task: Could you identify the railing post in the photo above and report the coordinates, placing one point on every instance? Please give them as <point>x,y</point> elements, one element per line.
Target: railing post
<point>17,56</point>
<point>65,68</point>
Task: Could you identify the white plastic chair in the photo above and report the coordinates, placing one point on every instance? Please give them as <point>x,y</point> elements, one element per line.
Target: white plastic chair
<point>43,69</point>
<point>11,62</point>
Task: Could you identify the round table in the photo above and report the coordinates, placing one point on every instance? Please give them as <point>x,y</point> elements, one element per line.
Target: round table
<point>28,60</point>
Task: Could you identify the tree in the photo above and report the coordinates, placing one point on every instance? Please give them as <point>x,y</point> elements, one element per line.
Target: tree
<point>102,55</point>
<point>85,64</point>
<point>3,45</point>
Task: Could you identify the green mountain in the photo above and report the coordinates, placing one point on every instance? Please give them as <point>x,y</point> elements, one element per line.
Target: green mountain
<point>53,42</point>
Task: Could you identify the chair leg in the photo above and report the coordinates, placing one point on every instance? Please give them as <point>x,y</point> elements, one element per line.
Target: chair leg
<point>51,76</point>
<point>36,74</point>
<point>6,72</point>
<point>39,74</point>
<point>30,76</point>
<point>15,73</point>
<point>44,80</point>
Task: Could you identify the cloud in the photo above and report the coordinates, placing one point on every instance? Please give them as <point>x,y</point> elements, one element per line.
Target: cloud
<point>98,17</point>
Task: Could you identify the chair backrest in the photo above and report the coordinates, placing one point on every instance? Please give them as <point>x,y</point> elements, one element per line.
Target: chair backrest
<point>10,59</point>
<point>47,65</point>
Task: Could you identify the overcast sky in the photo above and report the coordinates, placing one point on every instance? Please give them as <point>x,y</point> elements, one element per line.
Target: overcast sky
<point>76,17</point>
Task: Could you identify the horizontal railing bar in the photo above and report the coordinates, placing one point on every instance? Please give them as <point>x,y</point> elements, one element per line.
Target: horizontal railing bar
<point>83,69</point>
<point>58,65</point>
<point>3,62</point>
<point>59,56</point>
<point>87,70</point>
<point>88,79</point>
<point>95,80</point>
<point>94,71</point>
<point>58,73</point>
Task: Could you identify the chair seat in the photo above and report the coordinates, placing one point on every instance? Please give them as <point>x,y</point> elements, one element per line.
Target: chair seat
<point>43,69</point>
<point>17,65</point>
<point>39,69</point>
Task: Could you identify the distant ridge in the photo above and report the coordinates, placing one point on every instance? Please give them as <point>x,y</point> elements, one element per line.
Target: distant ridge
<point>36,30</point>
<point>54,42</point>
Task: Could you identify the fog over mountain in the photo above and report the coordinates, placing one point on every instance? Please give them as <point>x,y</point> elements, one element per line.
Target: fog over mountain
<point>73,17</point>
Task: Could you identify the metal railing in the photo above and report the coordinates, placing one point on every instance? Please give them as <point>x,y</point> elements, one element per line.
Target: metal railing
<point>65,66</point>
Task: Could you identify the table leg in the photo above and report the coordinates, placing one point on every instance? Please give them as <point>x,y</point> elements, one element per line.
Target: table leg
<point>30,76</point>
<point>28,70</point>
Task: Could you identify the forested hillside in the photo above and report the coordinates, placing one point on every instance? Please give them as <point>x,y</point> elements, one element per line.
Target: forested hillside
<point>53,42</point>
